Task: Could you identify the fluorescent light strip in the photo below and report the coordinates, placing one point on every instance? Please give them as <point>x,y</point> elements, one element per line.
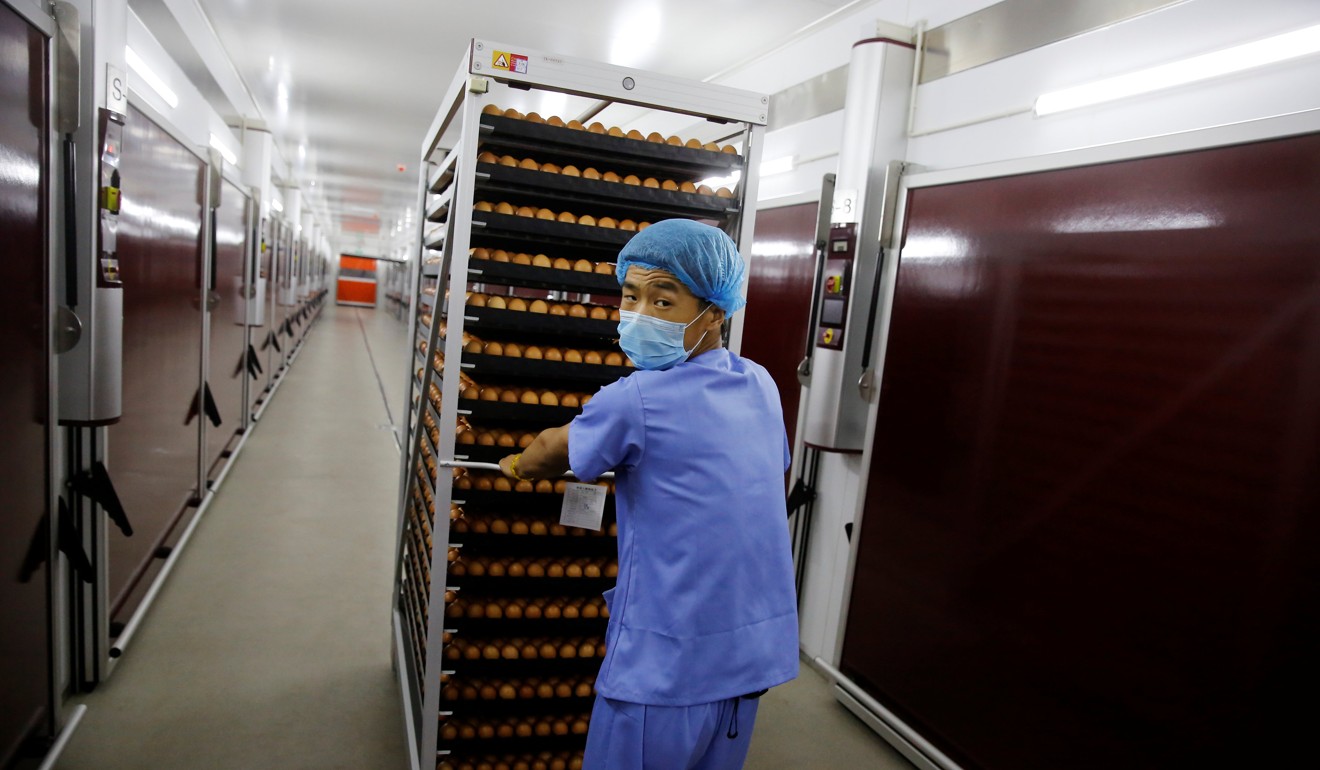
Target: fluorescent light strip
<point>1271,50</point>
<point>777,166</point>
<point>157,84</point>
<point>275,204</point>
<point>224,151</point>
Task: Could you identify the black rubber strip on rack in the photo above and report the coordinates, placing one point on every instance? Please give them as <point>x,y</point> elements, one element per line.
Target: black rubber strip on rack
<point>483,318</point>
<point>526,184</point>
<point>532,277</point>
<point>478,364</point>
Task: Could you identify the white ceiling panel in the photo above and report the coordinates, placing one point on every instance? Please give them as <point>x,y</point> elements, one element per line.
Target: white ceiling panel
<point>350,87</point>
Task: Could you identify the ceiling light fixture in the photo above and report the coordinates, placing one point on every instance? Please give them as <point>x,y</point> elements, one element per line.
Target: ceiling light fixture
<point>156,82</point>
<point>777,166</point>
<point>224,151</point>
<point>1271,50</point>
<point>275,204</point>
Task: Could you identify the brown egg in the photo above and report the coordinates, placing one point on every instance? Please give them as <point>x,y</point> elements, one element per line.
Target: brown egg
<point>502,484</point>
<point>590,173</point>
<point>488,157</point>
<point>517,569</point>
<point>591,356</point>
<point>538,528</point>
<point>530,396</point>
<point>553,354</point>
<point>523,486</point>
<point>493,349</point>
<point>533,352</point>
<point>711,146</point>
<point>572,612</point>
<point>484,483</point>
<point>587,219</point>
<point>642,226</point>
<point>675,141</point>
<point>508,160</point>
<point>570,400</point>
<point>610,176</point>
<point>558,309</point>
<point>518,303</point>
<point>615,131</point>
<point>474,346</point>
<point>548,398</point>
<point>481,206</point>
<point>569,650</point>
<point>576,125</point>
<point>573,570</point>
<point>541,260</point>
<point>560,486</point>
<point>553,611</point>
<point>629,225</point>
<point>612,569</point>
<point>670,185</point>
<point>491,109</point>
<point>555,120</point>
<point>499,255</point>
<point>510,396</point>
<point>601,314</point>
<point>651,181</point>
<point>534,118</point>
<point>607,222</point>
<point>635,134</point>
<point>525,440</point>
<point>561,263</point>
<point>724,192</point>
<point>471,393</point>
<point>596,128</point>
<point>705,190</point>
<point>504,207</point>
<point>693,144</point>
<point>545,214</point>
<point>545,690</point>
<point>572,356</point>
<point>577,311</point>
<point>534,569</point>
<point>522,259</point>
<point>538,306</point>
<point>513,350</point>
<point>614,316</point>
<point>687,187</point>
<point>505,440</point>
<point>570,171</point>
<point>729,149</point>
<point>490,393</point>
<point>632,179</point>
<point>480,252</point>
<point>526,211</point>
<point>567,217</point>
<point>604,268</point>
<point>497,302</point>
<point>556,569</point>
<point>476,300</point>
<point>512,113</point>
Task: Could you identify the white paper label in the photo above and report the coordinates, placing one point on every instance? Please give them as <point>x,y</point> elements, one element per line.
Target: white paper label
<point>116,89</point>
<point>845,207</point>
<point>584,506</point>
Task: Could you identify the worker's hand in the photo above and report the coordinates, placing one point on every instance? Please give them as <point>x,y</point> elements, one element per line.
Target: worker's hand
<point>507,467</point>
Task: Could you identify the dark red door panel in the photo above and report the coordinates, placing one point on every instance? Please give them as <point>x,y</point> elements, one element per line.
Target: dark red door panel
<point>228,334</point>
<point>1092,526</point>
<point>24,388</point>
<point>779,298</point>
<point>152,453</point>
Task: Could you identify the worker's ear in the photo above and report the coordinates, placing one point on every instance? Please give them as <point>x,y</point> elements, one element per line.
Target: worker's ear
<point>714,318</point>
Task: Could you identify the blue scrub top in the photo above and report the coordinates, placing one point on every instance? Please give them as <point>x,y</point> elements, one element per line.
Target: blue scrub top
<point>704,608</point>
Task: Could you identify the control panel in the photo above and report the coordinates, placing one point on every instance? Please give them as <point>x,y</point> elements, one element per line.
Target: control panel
<point>841,249</point>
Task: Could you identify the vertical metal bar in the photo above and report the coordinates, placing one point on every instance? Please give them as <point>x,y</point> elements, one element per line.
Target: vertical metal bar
<point>207,259</point>
<point>746,227</point>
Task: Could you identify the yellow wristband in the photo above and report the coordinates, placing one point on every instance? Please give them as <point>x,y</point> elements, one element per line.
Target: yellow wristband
<point>513,467</point>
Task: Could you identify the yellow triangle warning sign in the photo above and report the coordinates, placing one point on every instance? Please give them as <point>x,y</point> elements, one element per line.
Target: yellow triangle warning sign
<point>501,60</point>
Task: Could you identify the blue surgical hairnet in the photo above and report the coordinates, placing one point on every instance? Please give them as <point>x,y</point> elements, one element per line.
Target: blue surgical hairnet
<point>702,257</point>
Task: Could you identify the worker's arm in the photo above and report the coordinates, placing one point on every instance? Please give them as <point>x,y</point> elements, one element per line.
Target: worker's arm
<point>546,457</point>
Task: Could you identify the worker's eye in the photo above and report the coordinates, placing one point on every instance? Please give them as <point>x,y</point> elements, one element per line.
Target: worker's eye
<point>630,298</point>
<point>662,303</point>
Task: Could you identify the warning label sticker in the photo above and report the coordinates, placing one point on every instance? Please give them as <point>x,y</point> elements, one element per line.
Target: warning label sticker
<point>503,60</point>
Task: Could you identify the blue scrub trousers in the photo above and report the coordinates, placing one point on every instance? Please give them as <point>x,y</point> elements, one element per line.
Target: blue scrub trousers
<point>631,736</point>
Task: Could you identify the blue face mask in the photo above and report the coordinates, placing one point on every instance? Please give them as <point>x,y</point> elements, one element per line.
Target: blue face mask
<point>654,343</point>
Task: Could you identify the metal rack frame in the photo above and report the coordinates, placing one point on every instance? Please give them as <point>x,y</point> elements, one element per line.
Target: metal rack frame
<point>449,176</point>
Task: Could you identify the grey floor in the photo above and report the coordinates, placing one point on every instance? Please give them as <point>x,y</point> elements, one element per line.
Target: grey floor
<point>268,646</point>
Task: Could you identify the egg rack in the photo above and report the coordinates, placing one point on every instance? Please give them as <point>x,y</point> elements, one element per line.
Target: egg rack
<point>499,620</point>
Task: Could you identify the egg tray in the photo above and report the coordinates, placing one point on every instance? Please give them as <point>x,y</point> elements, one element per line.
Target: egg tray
<point>529,587</point>
<point>486,544</point>
<point>529,628</point>
<point>607,240</point>
<point>556,144</point>
<point>510,274</point>
<point>523,186</point>
<point>437,211</point>
<point>441,180</point>
<point>541,370</point>
<point>511,707</point>
<point>501,746</point>
<point>498,411</point>
<point>519,502</point>
<point>507,669</point>
<point>480,319</point>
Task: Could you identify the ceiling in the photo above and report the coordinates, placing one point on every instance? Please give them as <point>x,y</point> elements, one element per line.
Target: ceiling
<point>349,88</point>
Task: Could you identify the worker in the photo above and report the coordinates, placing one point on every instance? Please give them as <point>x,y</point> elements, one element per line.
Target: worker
<point>703,617</point>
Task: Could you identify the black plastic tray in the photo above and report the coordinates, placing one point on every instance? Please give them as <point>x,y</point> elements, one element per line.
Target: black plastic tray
<point>530,586</point>
<point>596,196</point>
<point>592,544</point>
<point>522,627</point>
<point>484,318</point>
<point>500,747</point>
<point>498,411</point>
<point>540,369</point>
<point>510,274</point>
<point>538,707</point>
<point>537,230</point>
<point>508,669</point>
<point>631,155</point>
<point>519,502</point>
